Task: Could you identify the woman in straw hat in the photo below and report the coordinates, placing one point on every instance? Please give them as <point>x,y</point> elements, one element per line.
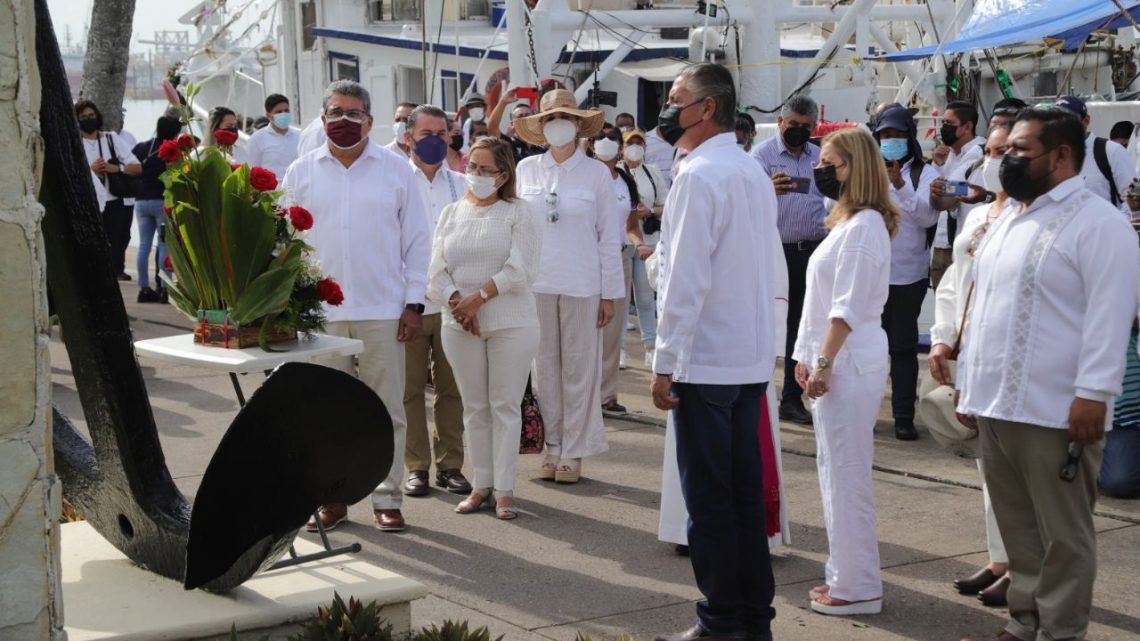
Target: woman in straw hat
<point>991,582</point>
<point>841,351</point>
<point>579,276</point>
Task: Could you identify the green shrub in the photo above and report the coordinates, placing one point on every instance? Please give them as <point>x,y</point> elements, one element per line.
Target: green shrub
<point>354,622</point>
<point>454,631</point>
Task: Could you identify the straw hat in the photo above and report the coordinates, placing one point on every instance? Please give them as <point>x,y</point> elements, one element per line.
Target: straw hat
<point>529,128</point>
<point>936,409</point>
<point>633,133</point>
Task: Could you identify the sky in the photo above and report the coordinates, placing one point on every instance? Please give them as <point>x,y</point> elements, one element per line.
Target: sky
<point>150,16</point>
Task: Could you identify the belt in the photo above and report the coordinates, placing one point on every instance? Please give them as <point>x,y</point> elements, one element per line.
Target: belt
<point>803,245</point>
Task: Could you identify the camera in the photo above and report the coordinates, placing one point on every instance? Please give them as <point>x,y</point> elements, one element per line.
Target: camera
<point>651,225</point>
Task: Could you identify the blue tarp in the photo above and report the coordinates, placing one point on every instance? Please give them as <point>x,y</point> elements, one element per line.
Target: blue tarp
<point>1001,23</point>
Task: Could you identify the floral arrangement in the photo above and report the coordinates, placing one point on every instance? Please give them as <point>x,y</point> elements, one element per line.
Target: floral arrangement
<point>239,259</point>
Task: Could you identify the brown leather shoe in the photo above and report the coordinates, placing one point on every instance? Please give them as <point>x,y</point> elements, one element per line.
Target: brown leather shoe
<point>976,582</point>
<point>995,595</point>
<point>389,520</point>
<point>331,516</point>
<point>1000,636</point>
<point>453,481</point>
<point>692,634</point>
<point>417,483</point>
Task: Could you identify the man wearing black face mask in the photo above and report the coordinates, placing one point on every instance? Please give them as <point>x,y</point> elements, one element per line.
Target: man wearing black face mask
<point>1053,301</point>
<point>960,150</point>
<point>786,158</point>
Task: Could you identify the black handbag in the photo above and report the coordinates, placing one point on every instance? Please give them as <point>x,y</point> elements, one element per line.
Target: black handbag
<point>119,184</point>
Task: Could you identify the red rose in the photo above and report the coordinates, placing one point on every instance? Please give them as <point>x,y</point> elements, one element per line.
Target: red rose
<point>185,142</point>
<point>301,218</point>
<point>225,137</point>
<point>166,210</point>
<point>262,179</point>
<point>235,166</point>
<point>168,151</point>
<point>329,291</point>
<point>167,265</point>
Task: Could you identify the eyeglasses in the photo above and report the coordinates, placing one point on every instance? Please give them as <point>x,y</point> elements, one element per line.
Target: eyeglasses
<point>352,114</point>
<point>479,170</point>
<point>1069,469</point>
<point>552,207</point>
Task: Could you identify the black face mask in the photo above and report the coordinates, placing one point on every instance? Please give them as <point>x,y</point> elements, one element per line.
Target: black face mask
<point>949,134</point>
<point>796,137</point>
<point>89,125</point>
<point>669,123</point>
<point>827,182</point>
<point>456,142</point>
<point>1016,181</point>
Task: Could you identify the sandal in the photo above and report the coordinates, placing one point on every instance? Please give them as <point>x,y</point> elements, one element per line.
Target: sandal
<point>469,504</point>
<point>826,604</point>
<point>506,512</point>
<point>549,468</point>
<point>569,471</point>
<point>818,591</point>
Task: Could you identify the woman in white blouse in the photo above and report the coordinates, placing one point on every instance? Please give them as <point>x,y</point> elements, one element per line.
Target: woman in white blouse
<point>842,355</point>
<point>484,261</point>
<point>991,582</point>
<point>579,276</point>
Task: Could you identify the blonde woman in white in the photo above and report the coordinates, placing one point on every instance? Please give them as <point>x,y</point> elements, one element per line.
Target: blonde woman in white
<point>484,261</point>
<point>841,351</point>
<point>579,277</point>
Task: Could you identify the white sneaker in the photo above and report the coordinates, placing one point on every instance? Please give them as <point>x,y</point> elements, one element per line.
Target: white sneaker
<point>649,358</point>
<point>622,360</point>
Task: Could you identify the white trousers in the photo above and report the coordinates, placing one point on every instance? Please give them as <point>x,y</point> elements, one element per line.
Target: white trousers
<point>673,523</point>
<point>844,430</point>
<point>994,545</point>
<point>381,367</point>
<point>491,372</point>
<point>567,375</point>
<point>613,336</point>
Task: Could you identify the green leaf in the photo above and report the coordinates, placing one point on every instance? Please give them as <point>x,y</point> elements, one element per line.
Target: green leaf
<point>267,294</point>
<point>247,233</point>
<point>212,172</point>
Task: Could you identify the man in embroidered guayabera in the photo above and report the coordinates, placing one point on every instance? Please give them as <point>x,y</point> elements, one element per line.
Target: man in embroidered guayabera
<point>1043,357</point>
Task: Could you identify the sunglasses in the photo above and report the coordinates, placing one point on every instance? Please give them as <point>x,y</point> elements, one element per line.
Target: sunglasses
<point>1069,469</point>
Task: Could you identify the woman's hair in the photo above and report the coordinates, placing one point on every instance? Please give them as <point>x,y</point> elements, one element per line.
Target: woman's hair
<point>504,161</point>
<point>84,105</point>
<point>217,115</point>
<point>866,186</point>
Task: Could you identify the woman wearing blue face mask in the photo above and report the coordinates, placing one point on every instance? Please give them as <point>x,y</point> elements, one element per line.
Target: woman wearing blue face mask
<point>910,180</point>
<point>274,147</point>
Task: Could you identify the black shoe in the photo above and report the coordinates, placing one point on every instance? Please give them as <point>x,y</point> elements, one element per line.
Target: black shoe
<point>453,481</point>
<point>904,429</point>
<point>124,276</point>
<point>417,483</point>
<point>148,295</point>
<point>613,407</point>
<point>793,410</point>
<point>692,634</point>
<point>681,550</point>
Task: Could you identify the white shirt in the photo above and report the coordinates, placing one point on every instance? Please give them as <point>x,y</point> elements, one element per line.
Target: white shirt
<point>624,204</point>
<point>910,261</point>
<point>311,137</point>
<point>447,188</point>
<point>395,148</point>
<point>848,277</point>
<point>581,252</point>
<point>950,297</point>
<point>715,302</point>
<point>651,191</point>
<point>659,154</point>
<point>955,169</point>
<point>1122,171</point>
<point>272,150</point>
<point>370,229</point>
<point>1054,297</point>
<point>473,245</point>
<point>98,148</point>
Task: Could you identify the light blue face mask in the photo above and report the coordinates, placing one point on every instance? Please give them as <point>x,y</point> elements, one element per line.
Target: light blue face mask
<point>283,120</point>
<point>894,148</point>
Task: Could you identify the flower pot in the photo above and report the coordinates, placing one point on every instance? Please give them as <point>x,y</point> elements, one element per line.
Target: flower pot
<point>214,329</point>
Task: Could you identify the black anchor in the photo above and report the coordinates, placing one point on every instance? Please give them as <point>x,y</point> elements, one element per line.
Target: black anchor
<point>309,435</point>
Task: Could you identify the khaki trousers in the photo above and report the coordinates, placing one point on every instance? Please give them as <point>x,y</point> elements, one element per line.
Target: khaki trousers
<point>381,367</point>
<point>1046,524</point>
<point>425,357</point>
<point>613,335</point>
<point>940,260</point>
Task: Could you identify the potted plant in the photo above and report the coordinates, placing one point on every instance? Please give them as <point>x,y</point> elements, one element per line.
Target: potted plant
<point>241,268</point>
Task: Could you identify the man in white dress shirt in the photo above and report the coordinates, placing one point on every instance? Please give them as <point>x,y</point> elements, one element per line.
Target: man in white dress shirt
<point>399,127</point>
<point>1099,166</point>
<point>1054,297</point>
<point>370,232</point>
<point>274,147</point>
<point>715,350</point>
<point>427,137</point>
<point>961,148</point>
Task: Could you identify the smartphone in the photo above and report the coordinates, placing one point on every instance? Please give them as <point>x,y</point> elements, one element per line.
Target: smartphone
<point>530,94</point>
<point>801,184</point>
<point>956,188</point>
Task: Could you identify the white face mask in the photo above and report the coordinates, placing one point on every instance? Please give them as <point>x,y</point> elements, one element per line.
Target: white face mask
<point>476,113</point>
<point>559,133</point>
<point>398,129</point>
<point>605,149</point>
<point>634,153</point>
<point>990,170</point>
<point>481,186</point>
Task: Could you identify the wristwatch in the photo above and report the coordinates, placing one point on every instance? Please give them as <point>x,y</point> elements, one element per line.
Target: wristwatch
<point>822,362</point>
<point>484,295</point>
<point>415,307</point>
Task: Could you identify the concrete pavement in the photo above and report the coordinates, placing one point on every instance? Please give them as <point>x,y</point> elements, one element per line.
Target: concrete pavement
<point>585,558</point>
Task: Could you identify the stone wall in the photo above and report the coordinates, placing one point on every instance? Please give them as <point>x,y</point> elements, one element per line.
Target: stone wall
<point>30,606</point>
